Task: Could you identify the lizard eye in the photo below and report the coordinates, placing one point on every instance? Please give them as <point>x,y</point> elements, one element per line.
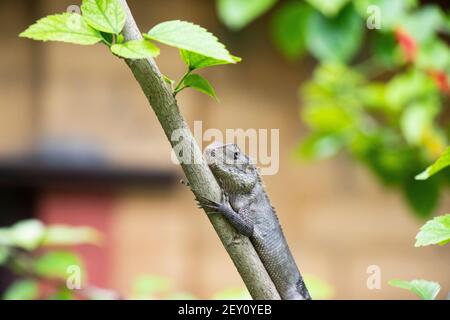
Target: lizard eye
<point>213,153</point>
<point>236,154</point>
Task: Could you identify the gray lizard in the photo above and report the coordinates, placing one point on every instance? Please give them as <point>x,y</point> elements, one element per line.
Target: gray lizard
<point>247,207</point>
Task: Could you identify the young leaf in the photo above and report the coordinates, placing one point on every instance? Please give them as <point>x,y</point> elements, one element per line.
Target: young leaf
<point>436,231</point>
<point>22,290</point>
<point>197,61</point>
<point>136,49</point>
<point>426,290</point>
<point>104,15</point>
<point>236,14</point>
<point>190,37</point>
<point>441,163</point>
<point>120,38</point>
<point>66,27</point>
<point>199,83</point>
<point>169,81</point>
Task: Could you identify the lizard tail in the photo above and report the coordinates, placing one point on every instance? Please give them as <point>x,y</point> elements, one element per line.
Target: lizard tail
<point>301,288</point>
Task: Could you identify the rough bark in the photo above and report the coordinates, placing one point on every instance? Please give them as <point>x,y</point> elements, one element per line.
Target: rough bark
<point>200,178</point>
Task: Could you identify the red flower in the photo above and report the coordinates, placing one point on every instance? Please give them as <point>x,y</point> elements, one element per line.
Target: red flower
<point>407,43</point>
<point>441,80</point>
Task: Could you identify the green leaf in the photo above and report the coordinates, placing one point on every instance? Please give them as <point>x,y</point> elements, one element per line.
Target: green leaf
<point>55,264</point>
<point>436,231</point>
<point>197,61</point>
<point>136,49</point>
<point>327,7</point>
<point>236,14</point>
<point>289,27</point>
<point>426,290</point>
<point>440,164</point>
<point>60,235</point>
<point>188,36</point>
<point>22,290</point>
<point>335,39</point>
<point>199,83</point>
<point>66,27</point>
<point>104,15</point>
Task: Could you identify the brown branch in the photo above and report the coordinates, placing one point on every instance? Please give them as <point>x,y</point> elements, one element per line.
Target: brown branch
<point>200,178</point>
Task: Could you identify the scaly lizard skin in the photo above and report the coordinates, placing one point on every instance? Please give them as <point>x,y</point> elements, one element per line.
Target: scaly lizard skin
<point>247,207</point>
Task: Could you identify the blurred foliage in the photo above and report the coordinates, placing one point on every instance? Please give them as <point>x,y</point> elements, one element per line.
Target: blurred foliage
<point>237,13</point>
<point>426,290</point>
<point>318,288</point>
<point>158,287</point>
<point>378,94</point>
<point>28,250</point>
<point>32,252</point>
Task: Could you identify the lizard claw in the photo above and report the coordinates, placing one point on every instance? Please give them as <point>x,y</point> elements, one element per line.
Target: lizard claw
<point>205,203</point>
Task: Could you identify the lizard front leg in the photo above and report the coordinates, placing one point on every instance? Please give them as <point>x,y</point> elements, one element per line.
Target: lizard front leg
<point>239,220</point>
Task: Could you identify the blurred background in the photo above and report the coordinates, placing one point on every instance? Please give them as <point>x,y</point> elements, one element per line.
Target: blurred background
<point>360,113</point>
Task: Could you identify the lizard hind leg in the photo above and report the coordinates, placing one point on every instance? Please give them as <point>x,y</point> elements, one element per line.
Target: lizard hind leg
<point>239,220</point>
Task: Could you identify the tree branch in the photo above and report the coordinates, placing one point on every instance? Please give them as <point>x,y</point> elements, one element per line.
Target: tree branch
<point>200,178</point>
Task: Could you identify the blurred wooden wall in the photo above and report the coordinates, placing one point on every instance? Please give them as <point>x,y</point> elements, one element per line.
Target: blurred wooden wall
<point>337,219</point>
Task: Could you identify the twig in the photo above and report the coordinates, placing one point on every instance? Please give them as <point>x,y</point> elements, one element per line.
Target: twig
<point>200,178</point>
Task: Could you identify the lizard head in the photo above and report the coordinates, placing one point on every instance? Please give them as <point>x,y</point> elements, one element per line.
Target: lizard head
<point>233,169</point>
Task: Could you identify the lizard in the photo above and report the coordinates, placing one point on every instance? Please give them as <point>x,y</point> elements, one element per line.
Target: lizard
<point>247,207</point>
